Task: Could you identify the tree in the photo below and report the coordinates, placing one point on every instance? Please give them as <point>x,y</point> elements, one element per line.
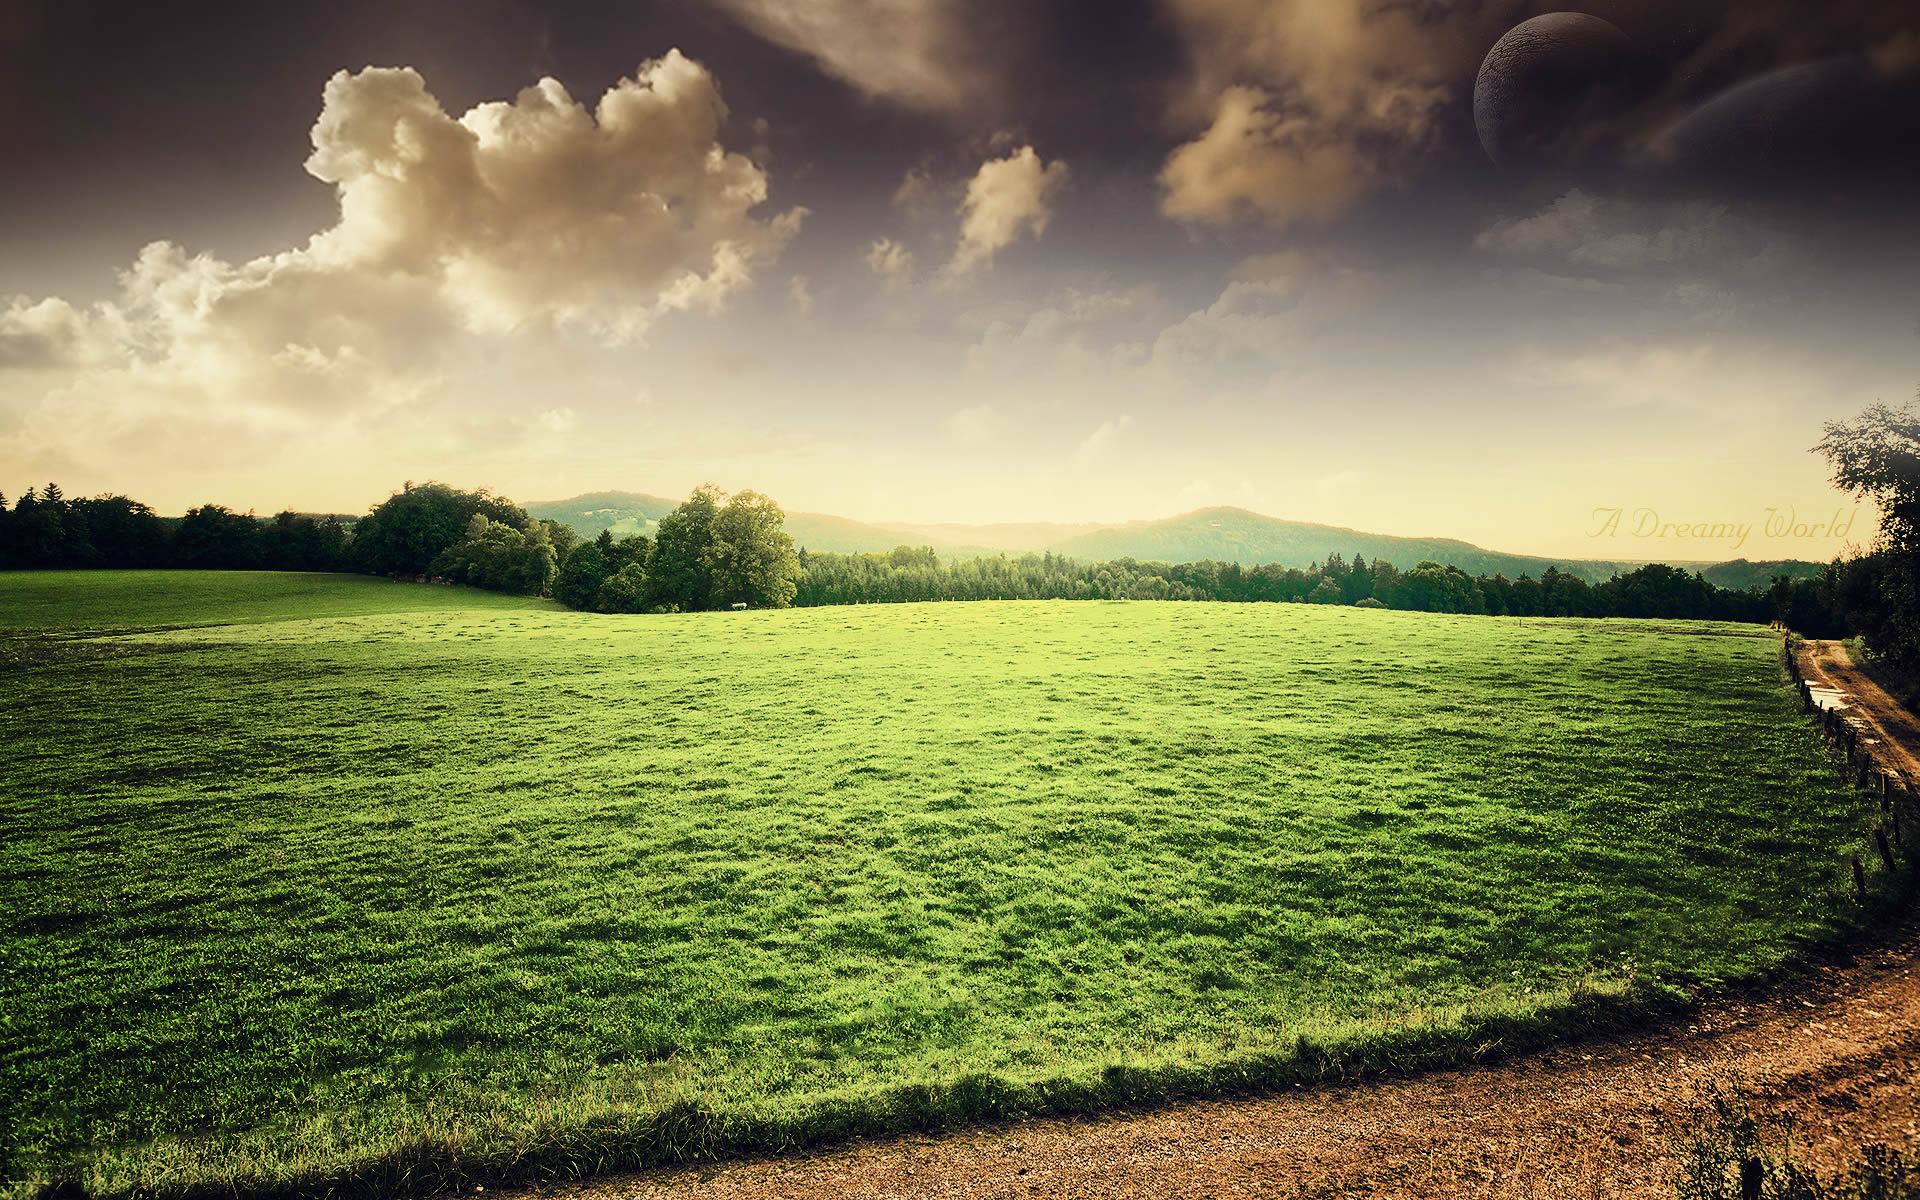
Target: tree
<point>124,532</point>
<point>40,528</point>
<point>1358,585</point>
<point>406,532</point>
<point>1326,592</point>
<point>749,555</point>
<point>679,575</point>
<point>500,558</point>
<point>624,591</point>
<point>581,574</point>
<point>214,537</point>
<point>634,548</point>
<point>560,536</point>
<point>1876,457</point>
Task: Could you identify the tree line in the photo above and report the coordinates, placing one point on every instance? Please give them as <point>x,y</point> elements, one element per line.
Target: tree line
<point>716,551</point>
<point>44,529</point>
<point>908,574</point>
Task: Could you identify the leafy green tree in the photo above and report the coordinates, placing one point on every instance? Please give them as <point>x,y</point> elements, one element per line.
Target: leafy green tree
<point>298,542</point>
<point>624,591</point>
<point>405,533</point>
<point>42,537</point>
<point>1876,456</point>
<point>680,576</point>
<point>1358,584</point>
<point>125,532</point>
<point>213,537</point>
<point>581,574</point>
<point>635,548</point>
<point>1327,591</point>
<point>560,536</point>
<point>500,558</point>
<point>749,556</point>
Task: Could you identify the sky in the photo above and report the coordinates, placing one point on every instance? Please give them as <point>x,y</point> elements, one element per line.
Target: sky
<point>1581,284</point>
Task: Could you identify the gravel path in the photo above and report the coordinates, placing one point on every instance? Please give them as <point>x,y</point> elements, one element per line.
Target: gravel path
<point>1837,1045</point>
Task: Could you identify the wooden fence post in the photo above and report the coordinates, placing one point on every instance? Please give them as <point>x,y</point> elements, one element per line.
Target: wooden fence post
<point>1859,878</point>
<point>1886,851</point>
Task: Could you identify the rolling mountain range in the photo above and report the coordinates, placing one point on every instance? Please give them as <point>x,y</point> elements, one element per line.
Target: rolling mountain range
<point>1221,534</point>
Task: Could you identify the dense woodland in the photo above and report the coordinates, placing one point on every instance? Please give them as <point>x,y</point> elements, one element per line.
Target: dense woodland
<point>716,551</point>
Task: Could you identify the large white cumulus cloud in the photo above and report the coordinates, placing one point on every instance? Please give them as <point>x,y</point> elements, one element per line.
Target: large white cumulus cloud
<point>520,216</point>
<point>536,208</point>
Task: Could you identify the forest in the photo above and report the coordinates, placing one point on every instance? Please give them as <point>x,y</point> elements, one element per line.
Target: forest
<point>716,551</point>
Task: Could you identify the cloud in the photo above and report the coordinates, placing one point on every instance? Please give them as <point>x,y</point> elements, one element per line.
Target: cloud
<point>557,420</point>
<point>1006,197</point>
<point>889,260</point>
<point>1738,386</point>
<point>1100,443</point>
<point>1256,314</point>
<point>1077,330</point>
<point>537,208</point>
<point>517,217</point>
<point>51,333</point>
<point>917,196</point>
<point>975,426</point>
<point>1618,235</point>
<point>1254,160</point>
<point>918,53</point>
<point>800,295</point>
<point>1305,101</point>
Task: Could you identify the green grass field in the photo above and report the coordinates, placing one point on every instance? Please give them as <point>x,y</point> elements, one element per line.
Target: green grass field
<point>420,884</point>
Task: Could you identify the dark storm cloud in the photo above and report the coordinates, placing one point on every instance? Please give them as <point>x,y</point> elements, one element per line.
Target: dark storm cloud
<point>185,120</point>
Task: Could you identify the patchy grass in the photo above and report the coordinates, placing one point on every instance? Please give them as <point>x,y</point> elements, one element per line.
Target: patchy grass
<point>1728,1151</point>
<point>381,898</point>
<point>48,602</point>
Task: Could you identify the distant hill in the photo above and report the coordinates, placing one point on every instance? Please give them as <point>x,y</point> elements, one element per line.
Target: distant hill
<point>1741,574</point>
<point>1236,535</point>
<point>623,512</point>
<point>1221,534</point>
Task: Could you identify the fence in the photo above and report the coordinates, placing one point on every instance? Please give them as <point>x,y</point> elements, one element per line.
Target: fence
<point>1884,782</point>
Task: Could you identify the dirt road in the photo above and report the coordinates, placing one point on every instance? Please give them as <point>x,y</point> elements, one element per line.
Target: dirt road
<point>1839,683</point>
<point>1836,1045</point>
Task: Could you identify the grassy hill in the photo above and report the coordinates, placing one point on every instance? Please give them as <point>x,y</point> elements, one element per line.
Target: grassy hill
<point>623,512</point>
<point>1236,535</point>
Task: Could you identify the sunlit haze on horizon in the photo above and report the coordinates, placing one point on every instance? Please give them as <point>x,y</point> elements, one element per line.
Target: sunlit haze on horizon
<point>1572,285</point>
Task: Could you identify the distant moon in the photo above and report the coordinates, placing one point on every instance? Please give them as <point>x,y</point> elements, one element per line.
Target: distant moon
<point>1538,76</point>
<point>1830,117</point>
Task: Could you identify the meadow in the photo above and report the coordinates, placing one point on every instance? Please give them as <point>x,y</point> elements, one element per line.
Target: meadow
<point>314,883</point>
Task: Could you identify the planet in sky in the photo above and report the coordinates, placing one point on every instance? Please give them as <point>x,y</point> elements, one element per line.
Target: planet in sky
<point>1541,78</point>
<point>1831,118</point>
